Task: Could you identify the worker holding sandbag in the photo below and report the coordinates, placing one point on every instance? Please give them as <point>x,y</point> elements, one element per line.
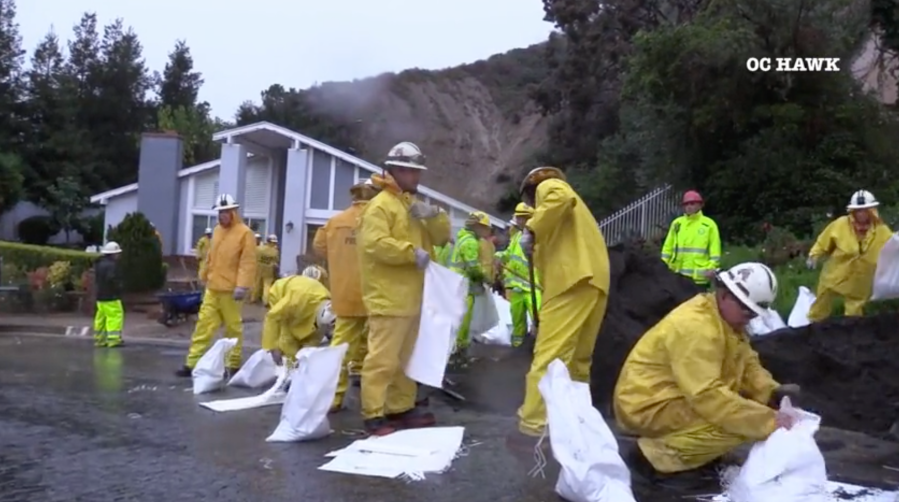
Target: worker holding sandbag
<point>851,245</point>
<point>471,260</point>
<point>692,388</point>
<point>396,238</point>
<point>569,251</point>
<point>516,277</point>
<point>336,242</point>
<point>299,316</point>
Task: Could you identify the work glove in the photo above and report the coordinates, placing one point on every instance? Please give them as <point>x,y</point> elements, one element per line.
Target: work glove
<point>423,211</point>
<point>422,258</point>
<point>811,263</point>
<point>240,294</point>
<point>527,242</point>
<point>790,390</point>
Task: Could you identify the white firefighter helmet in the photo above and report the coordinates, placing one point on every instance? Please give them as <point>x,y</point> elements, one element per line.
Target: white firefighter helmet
<point>324,317</point>
<point>862,199</point>
<point>312,272</point>
<point>111,247</point>
<point>273,238</point>
<point>406,154</point>
<point>208,231</point>
<point>224,202</point>
<point>754,284</point>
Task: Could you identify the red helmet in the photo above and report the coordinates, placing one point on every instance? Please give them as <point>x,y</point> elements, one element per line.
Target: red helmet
<point>691,196</point>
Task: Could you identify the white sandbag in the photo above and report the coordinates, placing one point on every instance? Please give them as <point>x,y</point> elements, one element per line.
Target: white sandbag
<point>501,334</point>
<point>886,277</point>
<point>209,373</point>
<point>766,323</point>
<point>582,443</point>
<point>259,370</point>
<point>442,309</point>
<point>799,315</point>
<point>304,415</point>
<point>483,315</point>
<point>273,396</point>
<point>787,466</point>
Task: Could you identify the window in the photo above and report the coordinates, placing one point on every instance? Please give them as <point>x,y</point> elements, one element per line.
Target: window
<point>344,175</point>
<point>206,189</point>
<point>258,226</point>
<point>257,189</point>
<point>310,237</point>
<point>199,225</point>
<point>320,189</point>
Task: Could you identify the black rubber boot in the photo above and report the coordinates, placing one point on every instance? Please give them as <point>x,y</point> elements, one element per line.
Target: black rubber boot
<point>703,479</point>
<point>184,372</point>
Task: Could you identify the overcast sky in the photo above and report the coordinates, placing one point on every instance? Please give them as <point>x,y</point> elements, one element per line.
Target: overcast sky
<point>243,47</point>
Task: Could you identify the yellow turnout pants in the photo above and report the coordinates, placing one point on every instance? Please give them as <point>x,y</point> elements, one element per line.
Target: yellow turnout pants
<point>296,340</point>
<point>689,448</point>
<point>569,324</point>
<point>823,305</point>
<point>108,323</point>
<point>219,307</point>
<point>351,331</point>
<point>386,389</point>
<point>260,289</point>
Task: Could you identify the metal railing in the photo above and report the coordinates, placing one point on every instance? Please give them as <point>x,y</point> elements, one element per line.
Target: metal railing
<point>645,218</point>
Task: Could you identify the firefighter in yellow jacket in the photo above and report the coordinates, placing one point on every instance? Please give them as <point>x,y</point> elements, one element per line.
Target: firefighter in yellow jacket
<point>267,259</point>
<point>851,245</point>
<point>299,316</point>
<point>228,277</point>
<point>692,388</point>
<point>396,237</point>
<point>570,253</point>
<point>336,242</point>
<point>202,250</point>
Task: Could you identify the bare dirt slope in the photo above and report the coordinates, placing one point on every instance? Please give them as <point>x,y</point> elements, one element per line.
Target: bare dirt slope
<point>476,123</point>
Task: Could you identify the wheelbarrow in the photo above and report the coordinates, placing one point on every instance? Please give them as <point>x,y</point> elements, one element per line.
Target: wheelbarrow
<point>177,307</point>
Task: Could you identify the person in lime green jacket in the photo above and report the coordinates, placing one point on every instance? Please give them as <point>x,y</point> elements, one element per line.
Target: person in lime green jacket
<point>516,277</point>
<point>693,245</point>
<point>444,253</point>
<point>466,260</point>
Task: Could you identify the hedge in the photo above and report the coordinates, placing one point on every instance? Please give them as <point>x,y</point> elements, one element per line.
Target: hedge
<point>31,257</point>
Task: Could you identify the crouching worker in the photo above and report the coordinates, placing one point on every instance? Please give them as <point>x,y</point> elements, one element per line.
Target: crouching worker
<point>299,316</point>
<point>110,316</point>
<point>228,276</point>
<point>692,389</point>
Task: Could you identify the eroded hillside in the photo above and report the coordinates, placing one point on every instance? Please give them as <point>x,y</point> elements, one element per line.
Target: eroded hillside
<point>476,123</point>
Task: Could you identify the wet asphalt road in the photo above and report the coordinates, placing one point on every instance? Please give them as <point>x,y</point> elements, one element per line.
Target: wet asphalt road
<point>108,425</point>
<point>78,423</point>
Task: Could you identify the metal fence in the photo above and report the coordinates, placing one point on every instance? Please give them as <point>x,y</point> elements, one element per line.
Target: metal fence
<point>645,218</point>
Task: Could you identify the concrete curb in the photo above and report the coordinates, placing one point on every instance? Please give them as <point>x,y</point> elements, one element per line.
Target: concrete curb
<point>84,332</point>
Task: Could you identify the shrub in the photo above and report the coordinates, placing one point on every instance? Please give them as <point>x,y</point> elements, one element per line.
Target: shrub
<point>91,229</point>
<point>37,230</point>
<point>28,257</point>
<point>141,259</point>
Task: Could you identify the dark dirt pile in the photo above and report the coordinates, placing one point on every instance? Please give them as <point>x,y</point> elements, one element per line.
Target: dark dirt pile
<point>848,368</point>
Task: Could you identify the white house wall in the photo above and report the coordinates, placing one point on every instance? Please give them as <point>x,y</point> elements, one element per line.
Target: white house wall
<point>116,210</point>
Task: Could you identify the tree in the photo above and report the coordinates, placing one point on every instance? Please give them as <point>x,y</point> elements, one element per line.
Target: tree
<point>65,201</point>
<point>11,60</point>
<point>141,258</point>
<point>180,85</point>
<point>11,180</point>
<point>775,146</point>
<point>56,145</point>
<point>195,128</point>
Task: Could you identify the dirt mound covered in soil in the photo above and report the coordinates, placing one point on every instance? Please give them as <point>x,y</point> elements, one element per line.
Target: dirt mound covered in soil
<point>848,368</point>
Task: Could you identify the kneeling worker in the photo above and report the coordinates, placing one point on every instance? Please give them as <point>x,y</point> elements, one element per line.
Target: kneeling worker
<point>693,388</point>
<point>299,316</point>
